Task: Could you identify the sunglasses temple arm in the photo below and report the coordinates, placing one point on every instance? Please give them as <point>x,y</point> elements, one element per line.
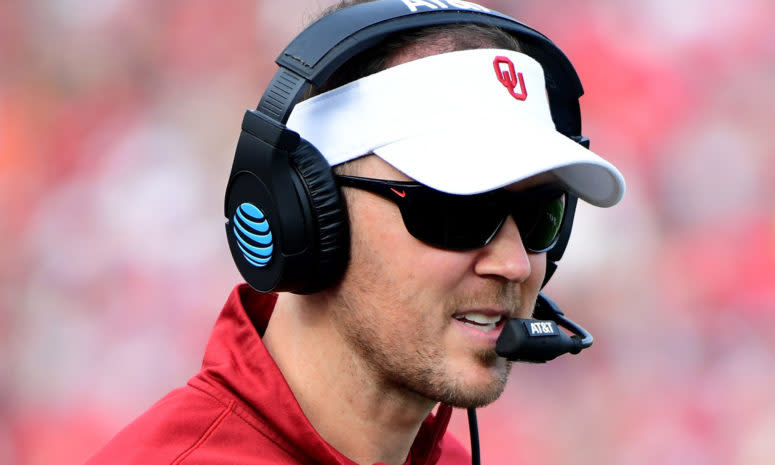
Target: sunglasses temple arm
<point>540,340</point>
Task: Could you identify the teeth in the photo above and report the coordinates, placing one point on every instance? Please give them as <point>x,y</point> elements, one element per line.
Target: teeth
<point>481,319</point>
<point>485,328</point>
<point>481,322</point>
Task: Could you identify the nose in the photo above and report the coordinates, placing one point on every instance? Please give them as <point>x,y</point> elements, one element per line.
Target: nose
<point>505,255</point>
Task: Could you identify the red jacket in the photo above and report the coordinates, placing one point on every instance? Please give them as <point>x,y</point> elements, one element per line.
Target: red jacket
<point>239,410</point>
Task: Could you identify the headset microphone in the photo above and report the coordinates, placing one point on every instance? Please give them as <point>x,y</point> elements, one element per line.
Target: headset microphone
<point>540,340</point>
<point>535,340</point>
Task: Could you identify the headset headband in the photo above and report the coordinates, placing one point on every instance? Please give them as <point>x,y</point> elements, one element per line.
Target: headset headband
<point>332,40</point>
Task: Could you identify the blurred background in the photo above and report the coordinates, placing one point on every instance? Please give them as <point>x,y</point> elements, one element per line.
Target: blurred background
<point>118,123</point>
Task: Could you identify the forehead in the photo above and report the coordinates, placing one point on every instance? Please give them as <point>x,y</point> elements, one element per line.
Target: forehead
<point>374,167</point>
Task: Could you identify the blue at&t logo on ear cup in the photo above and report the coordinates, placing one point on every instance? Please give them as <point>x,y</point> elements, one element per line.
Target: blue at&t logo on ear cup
<point>254,237</point>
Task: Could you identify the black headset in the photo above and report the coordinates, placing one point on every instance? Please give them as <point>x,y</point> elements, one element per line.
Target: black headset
<point>286,225</point>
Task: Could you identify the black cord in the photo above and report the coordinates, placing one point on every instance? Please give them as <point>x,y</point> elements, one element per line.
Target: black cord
<point>473,429</point>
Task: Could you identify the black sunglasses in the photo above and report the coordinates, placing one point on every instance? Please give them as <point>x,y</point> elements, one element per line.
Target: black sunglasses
<point>468,222</point>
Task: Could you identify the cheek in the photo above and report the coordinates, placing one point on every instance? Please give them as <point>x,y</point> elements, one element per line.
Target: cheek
<point>389,262</point>
<point>374,239</point>
<point>377,232</point>
<point>537,272</point>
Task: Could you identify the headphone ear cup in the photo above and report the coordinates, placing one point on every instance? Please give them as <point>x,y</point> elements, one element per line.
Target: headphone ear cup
<point>555,253</point>
<point>330,216</point>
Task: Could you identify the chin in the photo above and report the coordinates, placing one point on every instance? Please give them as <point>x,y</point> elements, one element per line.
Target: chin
<point>481,387</point>
<point>475,397</point>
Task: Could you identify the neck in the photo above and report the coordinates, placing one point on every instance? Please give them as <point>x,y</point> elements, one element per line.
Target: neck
<point>338,392</point>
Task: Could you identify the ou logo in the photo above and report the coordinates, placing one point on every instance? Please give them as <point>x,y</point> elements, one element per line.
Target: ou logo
<point>507,75</point>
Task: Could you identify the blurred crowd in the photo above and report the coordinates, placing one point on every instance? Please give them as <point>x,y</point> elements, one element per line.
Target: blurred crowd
<point>118,122</point>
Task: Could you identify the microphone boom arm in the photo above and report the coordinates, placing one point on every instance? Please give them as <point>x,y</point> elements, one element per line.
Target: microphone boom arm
<point>540,340</point>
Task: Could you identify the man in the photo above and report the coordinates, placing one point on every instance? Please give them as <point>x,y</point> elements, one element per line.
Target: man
<point>455,184</point>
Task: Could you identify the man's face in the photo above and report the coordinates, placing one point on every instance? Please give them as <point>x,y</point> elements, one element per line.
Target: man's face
<point>402,303</point>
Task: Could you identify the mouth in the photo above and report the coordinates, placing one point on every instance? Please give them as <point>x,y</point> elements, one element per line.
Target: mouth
<point>481,321</point>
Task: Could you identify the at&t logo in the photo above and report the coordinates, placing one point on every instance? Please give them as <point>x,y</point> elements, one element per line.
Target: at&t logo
<point>254,237</point>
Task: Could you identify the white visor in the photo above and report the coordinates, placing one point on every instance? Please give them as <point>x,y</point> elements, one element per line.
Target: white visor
<point>462,122</point>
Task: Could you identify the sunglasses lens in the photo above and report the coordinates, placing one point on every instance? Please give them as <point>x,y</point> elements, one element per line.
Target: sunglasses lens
<point>452,221</point>
<point>461,222</point>
<point>539,221</point>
